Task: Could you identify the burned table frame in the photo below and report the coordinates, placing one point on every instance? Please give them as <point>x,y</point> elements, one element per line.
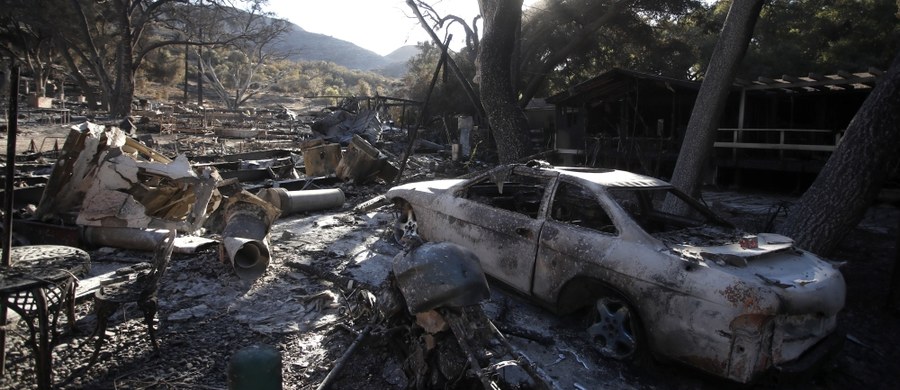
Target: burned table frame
<point>40,281</point>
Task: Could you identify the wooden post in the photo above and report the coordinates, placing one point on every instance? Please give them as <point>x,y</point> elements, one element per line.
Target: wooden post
<point>11,129</point>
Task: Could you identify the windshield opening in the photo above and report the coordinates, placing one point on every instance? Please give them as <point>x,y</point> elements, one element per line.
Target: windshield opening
<point>646,207</point>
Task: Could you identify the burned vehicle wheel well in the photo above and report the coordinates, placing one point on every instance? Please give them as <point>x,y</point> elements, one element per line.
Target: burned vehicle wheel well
<point>581,292</point>
<point>586,292</point>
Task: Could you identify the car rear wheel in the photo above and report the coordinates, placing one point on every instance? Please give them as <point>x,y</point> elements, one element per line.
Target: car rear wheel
<point>614,328</point>
<point>404,221</point>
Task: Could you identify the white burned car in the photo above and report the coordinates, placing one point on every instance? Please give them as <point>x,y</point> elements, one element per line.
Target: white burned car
<point>685,286</point>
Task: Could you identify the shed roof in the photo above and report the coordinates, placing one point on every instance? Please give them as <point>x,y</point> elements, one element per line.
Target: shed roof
<point>616,82</point>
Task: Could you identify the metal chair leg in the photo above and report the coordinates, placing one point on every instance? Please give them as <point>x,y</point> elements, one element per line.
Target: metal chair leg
<point>150,307</point>
<point>104,310</point>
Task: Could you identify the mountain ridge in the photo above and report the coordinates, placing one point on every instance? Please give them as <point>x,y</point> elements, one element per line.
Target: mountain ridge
<point>309,46</point>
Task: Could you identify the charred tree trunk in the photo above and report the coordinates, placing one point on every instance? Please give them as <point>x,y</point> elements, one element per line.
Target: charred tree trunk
<point>507,120</point>
<point>701,129</point>
<point>855,173</point>
<point>123,92</point>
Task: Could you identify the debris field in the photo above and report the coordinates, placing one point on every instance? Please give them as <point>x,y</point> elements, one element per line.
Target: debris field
<point>285,240</point>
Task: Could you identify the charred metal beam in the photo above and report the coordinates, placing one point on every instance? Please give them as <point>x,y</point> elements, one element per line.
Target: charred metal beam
<point>300,184</point>
<point>259,155</point>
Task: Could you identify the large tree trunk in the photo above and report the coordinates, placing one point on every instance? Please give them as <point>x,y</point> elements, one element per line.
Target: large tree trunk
<point>508,122</point>
<point>855,173</point>
<point>123,92</point>
<point>701,130</point>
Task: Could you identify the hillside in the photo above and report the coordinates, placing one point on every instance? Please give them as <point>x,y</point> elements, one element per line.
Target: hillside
<point>309,46</point>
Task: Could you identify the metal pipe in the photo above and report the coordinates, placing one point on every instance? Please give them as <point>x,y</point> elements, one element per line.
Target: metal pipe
<point>140,239</point>
<point>306,200</point>
<point>245,244</point>
<point>125,238</point>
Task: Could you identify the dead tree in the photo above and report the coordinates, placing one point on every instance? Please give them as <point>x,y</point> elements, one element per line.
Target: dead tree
<point>110,40</point>
<point>238,77</point>
<point>451,64</point>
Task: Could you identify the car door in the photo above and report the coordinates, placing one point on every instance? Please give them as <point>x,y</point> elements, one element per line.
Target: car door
<point>576,239</point>
<point>499,217</point>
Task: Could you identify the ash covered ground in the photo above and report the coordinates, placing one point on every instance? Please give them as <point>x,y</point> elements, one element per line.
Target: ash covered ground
<point>207,314</point>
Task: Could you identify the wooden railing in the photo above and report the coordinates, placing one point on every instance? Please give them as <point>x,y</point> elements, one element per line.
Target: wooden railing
<point>781,139</point>
<point>807,140</point>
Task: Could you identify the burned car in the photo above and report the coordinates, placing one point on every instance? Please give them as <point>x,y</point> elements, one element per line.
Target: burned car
<point>660,274</point>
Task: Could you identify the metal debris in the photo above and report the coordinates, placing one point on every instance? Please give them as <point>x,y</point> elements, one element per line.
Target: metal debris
<point>245,243</point>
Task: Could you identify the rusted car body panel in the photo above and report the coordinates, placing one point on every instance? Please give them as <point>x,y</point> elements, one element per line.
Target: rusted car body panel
<point>732,311</point>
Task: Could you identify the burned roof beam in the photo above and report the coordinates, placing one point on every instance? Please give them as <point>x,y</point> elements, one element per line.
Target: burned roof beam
<point>842,80</point>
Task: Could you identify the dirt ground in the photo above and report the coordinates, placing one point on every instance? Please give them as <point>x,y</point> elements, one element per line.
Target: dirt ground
<point>207,314</point>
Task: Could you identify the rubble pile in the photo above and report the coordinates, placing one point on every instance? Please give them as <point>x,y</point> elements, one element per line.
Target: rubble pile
<point>249,211</point>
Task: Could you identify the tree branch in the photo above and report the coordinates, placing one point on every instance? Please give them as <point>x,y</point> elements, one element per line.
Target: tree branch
<point>467,87</point>
<point>561,54</point>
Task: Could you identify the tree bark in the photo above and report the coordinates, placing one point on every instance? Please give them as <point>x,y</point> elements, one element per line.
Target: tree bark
<point>855,172</point>
<point>508,122</point>
<point>701,129</point>
<point>123,92</point>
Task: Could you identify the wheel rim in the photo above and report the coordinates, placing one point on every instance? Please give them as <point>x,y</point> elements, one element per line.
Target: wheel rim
<point>612,330</point>
<point>405,224</point>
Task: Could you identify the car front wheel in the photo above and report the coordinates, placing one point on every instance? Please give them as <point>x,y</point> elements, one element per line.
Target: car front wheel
<point>614,328</point>
<point>404,221</point>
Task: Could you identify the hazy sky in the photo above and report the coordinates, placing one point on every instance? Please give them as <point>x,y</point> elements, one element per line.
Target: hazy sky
<point>381,26</point>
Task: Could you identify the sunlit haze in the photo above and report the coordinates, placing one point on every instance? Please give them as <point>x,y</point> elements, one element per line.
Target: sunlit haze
<point>381,26</point>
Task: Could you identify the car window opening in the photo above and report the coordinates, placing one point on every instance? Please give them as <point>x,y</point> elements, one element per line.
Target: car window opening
<point>575,205</point>
<point>517,193</point>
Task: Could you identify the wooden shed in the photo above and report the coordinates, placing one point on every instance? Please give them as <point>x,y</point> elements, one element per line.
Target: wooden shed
<point>785,127</point>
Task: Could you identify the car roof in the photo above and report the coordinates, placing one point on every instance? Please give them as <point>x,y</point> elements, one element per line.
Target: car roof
<point>611,178</point>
